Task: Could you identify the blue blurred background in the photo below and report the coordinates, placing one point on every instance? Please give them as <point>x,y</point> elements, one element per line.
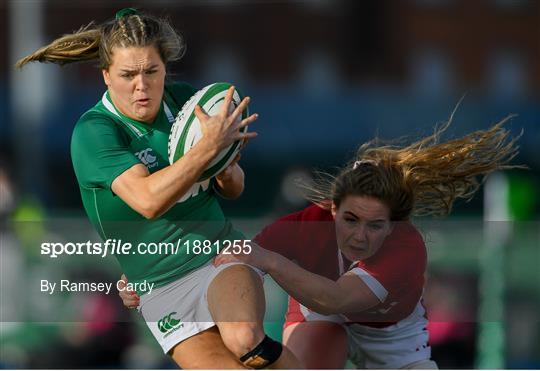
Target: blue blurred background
<point>325,76</point>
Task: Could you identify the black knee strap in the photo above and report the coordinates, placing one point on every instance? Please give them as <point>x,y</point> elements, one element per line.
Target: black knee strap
<point>264,354</point>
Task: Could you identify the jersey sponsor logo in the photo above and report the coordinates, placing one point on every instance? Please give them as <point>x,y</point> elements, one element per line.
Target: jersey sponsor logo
<point>147,158</point>
<point>169,324</point>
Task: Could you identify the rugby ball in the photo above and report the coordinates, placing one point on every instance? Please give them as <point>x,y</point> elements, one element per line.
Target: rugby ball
<point>186,130</point>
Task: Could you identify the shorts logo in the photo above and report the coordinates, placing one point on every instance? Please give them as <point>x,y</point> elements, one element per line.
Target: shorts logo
<point>147,158</point>
<point>168,323</point>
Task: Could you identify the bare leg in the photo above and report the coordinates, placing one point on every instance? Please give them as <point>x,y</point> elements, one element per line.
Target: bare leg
<point>236,302</point>
<point>317,344</point>
<point>205,351</point>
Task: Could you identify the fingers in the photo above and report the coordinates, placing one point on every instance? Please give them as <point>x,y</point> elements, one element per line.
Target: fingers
<point>217,261</point>
<point>236,159</point>
<point>224,259</point>
<point>225,127</point>
<point>130,299</point>
<point>131,304</point>
<point>248,121</point>
<point>244,144</point>
<point>125,294</point>
<point>241,108</point>
<point>227,102</point>
<point>248,135</point>
<point>200,114</point>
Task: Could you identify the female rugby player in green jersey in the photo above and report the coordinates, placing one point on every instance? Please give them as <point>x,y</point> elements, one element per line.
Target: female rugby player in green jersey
<point>204,317</point>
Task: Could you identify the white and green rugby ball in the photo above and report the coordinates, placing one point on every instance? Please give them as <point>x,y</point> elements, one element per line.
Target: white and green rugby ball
<point>186,130</point>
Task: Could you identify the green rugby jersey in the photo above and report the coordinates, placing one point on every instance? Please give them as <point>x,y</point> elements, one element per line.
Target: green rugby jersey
<point>105,143</point>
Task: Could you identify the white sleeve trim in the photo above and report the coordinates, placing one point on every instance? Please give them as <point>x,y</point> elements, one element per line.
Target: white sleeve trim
<point>375,286</point>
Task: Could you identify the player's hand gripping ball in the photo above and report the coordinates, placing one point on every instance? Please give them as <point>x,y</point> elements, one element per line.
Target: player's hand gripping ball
<point>186,131</point>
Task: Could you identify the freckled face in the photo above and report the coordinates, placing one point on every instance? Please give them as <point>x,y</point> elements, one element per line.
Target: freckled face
<point>362,224</point>
<point>136,79</point>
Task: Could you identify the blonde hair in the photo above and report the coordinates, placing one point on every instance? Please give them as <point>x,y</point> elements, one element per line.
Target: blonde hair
<point>91,42</point>
<point>423,178</point>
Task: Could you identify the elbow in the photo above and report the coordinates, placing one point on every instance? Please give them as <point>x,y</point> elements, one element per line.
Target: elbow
<point>138,195</point>
<point>150,214</point>
<point>149,210</point>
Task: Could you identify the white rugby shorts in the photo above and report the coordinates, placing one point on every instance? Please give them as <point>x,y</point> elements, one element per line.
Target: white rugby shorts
<point>403,345</point>
<point>179,310</point>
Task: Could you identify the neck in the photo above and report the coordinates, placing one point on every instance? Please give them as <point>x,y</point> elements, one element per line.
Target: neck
<point>146,120</point>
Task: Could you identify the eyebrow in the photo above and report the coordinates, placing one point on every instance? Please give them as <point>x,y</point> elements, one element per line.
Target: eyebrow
<point>135,70</point>
<point>370,221</point>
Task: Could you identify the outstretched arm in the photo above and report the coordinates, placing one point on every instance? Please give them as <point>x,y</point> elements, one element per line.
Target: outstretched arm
<point>349,294</point>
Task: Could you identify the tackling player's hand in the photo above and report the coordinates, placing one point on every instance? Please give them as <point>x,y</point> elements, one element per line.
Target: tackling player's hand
<point>255,256</point>
<point>129,298</point>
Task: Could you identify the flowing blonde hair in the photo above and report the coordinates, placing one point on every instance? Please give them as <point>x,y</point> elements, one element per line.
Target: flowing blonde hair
<point>423,178</point>
<point>129,29</point>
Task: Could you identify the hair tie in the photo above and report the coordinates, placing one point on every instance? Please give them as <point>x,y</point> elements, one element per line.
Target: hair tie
<point>125,13</point>
<point>362,162</point>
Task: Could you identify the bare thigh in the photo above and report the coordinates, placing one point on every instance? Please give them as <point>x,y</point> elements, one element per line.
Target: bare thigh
<point>317,344</point>
<point>205,351</point>
<point>236,295</point>
<point>236,302</point>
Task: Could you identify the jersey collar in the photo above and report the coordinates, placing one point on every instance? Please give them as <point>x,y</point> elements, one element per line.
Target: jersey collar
<point>138,128</point>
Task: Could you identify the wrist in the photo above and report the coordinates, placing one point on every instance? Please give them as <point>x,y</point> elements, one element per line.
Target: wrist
<point>208,147</point>
<point>271,262</point>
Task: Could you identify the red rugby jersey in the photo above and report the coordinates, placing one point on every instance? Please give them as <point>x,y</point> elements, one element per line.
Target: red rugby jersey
<point>308,237</point>
<point>395,273</point>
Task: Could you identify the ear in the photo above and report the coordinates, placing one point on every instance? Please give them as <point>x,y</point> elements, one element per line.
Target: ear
<point>333,210</point>
<point>106,77</point>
